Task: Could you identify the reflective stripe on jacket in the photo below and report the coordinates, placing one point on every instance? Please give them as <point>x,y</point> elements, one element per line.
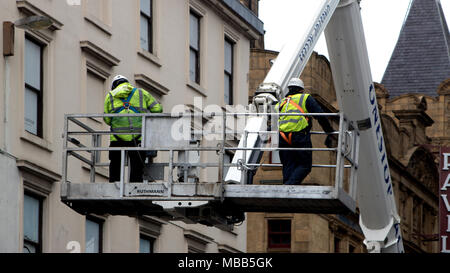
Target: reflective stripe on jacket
<point>290,124</point>
<point>122,100</point>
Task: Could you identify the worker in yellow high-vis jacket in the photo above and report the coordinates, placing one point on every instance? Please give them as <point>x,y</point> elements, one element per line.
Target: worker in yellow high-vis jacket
<point>126,99</point>
<point>295,132</point>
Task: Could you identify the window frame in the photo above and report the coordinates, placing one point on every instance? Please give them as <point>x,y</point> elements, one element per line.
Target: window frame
<point>39,245</point>
<point>197,52</point>
<point>337,241</point>
<point>228,73</point>
<point>149,21</point>
<point>152,240</point>
<point>100,223</point>
<point>39,93</point>
<point>280,246</point>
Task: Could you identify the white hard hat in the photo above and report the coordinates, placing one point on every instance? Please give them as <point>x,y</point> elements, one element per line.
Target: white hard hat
<point>296,82</point>
<point>117,79</point>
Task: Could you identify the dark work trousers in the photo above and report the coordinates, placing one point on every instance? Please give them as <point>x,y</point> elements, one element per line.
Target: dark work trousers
<point>296,164</point>
<point>136,163</point>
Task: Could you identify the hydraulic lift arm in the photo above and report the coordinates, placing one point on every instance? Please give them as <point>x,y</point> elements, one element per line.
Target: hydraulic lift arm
<point>357,99</point>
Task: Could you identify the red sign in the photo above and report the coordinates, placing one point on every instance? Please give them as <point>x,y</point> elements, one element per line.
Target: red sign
<point>444,200</point>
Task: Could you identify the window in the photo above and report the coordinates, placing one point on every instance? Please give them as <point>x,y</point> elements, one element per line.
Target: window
<point>337,245</point>
<point>147,25</point>
<point>94,235</point>
<point>352,249</point>
<point>146,244</point>
<point>33,87</point>
<point>32,224</point>
<point>194,48</point>
<point>95,88</point>
<point>149,230</point>
<point>95,93</point>
<point>279,232</point>
<point>228,88</point>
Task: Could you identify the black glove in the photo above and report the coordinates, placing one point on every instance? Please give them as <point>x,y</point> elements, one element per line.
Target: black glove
<point>329,141</point>
<point>151,154</point>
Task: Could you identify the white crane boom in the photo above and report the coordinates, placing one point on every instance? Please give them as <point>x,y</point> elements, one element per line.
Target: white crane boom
<point>294,56</point>
<point>356,97</point>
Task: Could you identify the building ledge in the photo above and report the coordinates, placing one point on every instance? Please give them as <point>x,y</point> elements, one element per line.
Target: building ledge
<point>227,249</point>
<point>151,85</point>
<point>41,172</point>
<point>197,88</point>
<point>98,24</point>
<point>240,16</point>
<point>198,237</point>
<point>99,53</point>
<point>37,141</point>
<point>150,57</point>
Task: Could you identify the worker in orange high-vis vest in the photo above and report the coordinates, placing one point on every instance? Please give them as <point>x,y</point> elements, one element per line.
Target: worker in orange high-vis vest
<point>295,132</point>
<point>126,99</point>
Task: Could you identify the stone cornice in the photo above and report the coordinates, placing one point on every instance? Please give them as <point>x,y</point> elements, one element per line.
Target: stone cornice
<point>38,171</point>
<point>420,115</point>
<point>151,85</point>
<point>99,53</point>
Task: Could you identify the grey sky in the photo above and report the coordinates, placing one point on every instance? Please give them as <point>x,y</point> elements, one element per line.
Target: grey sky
<point>382,20</point>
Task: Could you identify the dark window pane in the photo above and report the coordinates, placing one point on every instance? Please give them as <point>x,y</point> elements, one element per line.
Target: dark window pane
<point>279,232</point>
<point>194,29</point>
<point>144,33</point>
<point>92,237</point>
<point>285,239</point>
<point>285,225</point>
<point>228,57</point>
<point>146,7</point>
<point>193,65</point>
<point>227,89</point>
<point>31,210</point>
<point>228,68</point>
<point>31,111</point>
<point>337,245</point>
<point>32,64</point>
<point>146,244</point>
<point>351,249</point>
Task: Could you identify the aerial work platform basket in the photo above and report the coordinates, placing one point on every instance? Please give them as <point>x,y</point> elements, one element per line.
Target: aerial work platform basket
<point>200,175</point>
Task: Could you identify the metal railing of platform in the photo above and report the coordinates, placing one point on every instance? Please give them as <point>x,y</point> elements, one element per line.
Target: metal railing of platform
<point>346,151</point>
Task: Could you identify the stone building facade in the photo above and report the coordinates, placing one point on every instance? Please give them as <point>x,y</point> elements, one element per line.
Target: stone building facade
<point>175,49</point>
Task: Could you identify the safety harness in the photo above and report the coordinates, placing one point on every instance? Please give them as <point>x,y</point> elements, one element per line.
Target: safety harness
<point>288,101</point>
<point>127,106</point>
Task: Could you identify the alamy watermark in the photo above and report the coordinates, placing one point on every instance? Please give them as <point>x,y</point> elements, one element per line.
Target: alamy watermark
<point>207,122</point>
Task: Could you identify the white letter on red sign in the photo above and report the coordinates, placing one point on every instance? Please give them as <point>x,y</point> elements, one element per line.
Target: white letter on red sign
<point>446,184</point>
<point>446,164</point>
<point>447,205</point>
<point>448,223</point>
<point>444,245</point>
